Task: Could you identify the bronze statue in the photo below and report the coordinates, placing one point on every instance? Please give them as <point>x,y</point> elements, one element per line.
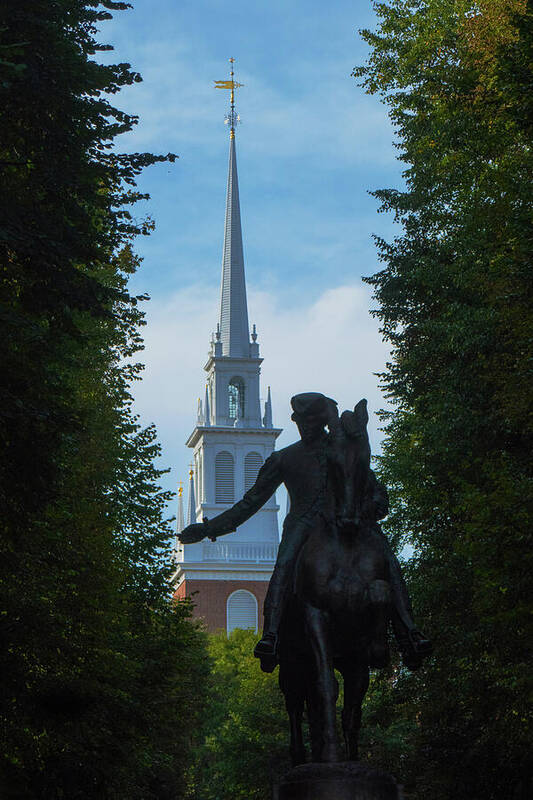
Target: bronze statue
<point>336,583</point>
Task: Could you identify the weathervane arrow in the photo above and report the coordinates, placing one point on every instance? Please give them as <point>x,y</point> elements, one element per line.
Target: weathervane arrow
<point>232,118</point>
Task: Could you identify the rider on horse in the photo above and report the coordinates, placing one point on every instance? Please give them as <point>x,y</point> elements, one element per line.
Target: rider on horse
<point>303,468</point>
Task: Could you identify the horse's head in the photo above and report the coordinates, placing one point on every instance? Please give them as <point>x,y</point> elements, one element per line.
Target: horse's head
<point>354,422</point>
<point>355,459</point>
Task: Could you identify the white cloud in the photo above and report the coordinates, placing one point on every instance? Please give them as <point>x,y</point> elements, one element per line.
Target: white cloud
<point>330,345</point>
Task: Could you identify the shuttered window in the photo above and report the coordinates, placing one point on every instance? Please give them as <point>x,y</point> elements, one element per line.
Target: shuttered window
<point>252,464</point>
<point>241,610</point>
<point>224,478</point>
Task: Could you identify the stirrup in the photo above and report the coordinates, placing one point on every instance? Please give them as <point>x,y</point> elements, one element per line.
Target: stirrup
<point>421,645</point>
<point>414,648</point>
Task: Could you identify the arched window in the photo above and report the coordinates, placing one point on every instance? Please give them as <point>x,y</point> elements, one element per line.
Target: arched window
<point>252,464</point>
<point>224,478</point>
<point>236,397</point>
<point>241,610</point>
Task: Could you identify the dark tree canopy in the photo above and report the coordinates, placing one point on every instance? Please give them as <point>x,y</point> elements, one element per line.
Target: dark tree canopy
<point>454,299</point>
<point>101,677</point>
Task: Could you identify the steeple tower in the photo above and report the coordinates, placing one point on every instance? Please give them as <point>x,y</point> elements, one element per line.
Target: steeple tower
<point>234,330</point>
<point>231,441</point>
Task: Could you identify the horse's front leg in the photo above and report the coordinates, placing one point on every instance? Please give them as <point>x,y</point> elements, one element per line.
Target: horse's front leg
<point>356,677</point>
<point>325,689</point>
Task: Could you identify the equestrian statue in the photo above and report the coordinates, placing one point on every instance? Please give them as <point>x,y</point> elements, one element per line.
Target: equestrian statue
<point>336,584</point>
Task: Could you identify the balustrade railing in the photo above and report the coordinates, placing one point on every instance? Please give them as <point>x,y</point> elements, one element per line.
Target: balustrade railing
<point>239,551</point>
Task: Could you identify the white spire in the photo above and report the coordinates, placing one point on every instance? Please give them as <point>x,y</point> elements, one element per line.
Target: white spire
<point>180,522</point>
<point>191,506</point>
<point>207,410</point>
<point>267,419</point>
<point>234,330</point>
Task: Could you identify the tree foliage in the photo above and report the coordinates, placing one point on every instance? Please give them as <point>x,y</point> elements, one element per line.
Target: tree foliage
<point>245,730</point>
<point>101,676</point>
<point>455,304</point>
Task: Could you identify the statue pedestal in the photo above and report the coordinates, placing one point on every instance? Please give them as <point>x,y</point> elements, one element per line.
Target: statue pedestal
<point>348,780</point>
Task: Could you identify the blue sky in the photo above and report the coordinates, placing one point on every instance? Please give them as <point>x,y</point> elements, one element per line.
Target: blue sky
<point>311,147</point>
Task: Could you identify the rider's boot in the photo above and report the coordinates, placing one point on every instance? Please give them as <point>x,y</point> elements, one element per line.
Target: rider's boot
<point>413,645</point>
<point>266,649</point>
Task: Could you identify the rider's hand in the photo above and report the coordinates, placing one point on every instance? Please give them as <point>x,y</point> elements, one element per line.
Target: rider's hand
<point>193,533</point>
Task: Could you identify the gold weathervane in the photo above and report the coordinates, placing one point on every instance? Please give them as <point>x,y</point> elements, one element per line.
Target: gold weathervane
<point>232,118</point>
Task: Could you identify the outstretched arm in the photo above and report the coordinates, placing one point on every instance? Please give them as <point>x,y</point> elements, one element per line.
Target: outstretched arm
<point>268,480</point>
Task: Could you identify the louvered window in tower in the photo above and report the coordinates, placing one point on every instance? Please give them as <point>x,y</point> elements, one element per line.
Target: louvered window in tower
<point>252,464</point>
<point>241,610</point>
<point>236,398</point>
<point>224,478</point>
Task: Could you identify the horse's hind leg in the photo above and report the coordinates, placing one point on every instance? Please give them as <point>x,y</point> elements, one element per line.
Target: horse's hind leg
<point>323,703</point>
<point>297,747</point>
<point>292,685</point>
<point>356,676</point>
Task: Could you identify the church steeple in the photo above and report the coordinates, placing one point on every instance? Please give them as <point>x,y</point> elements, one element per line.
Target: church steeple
<point>230,442</point>
<point>234,330</point>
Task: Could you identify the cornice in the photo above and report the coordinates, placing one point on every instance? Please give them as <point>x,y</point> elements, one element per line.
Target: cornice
<point>203,430</point>
<point>231,361</point>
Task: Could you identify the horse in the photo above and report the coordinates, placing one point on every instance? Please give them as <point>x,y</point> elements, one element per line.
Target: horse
<point>338,613</point>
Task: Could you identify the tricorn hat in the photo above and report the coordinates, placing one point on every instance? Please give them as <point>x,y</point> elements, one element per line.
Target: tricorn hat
<point>311,404</point>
